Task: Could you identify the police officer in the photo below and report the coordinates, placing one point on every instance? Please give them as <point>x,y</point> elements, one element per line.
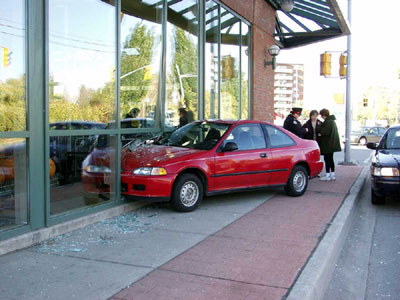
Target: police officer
<point>293,125</point>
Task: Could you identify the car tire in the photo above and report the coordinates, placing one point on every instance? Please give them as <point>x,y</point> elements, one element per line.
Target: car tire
<point>376,199</point>
<point>363,141</point>
<point>298,182</point>
<point>187,193</point>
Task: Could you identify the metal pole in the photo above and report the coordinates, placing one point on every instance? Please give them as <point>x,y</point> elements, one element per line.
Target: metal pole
<point>347,154</point>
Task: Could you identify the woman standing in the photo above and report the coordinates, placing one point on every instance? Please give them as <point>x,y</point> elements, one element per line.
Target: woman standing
<point>329,143</point>
<point>313,126</point>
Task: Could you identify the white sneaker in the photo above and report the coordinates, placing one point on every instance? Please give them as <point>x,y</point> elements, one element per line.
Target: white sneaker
<point>333,176</point>
<point>327,177</point>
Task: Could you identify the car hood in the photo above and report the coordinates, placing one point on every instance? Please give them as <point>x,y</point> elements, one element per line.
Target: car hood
<point>154,155</point>
<point>388,158</point>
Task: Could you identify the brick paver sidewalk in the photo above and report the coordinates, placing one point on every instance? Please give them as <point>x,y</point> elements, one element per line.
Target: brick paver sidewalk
<point>258,256</point>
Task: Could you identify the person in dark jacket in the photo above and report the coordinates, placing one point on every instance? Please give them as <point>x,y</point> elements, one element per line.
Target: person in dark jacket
<point>293,125</point>
<point>329,143</point>
<point>183,117</point>
<point>313,126</point>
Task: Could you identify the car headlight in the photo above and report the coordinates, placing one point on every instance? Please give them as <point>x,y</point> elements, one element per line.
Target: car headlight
<point>148,171</point>
<point>96,169</point>
<point>389,172</point>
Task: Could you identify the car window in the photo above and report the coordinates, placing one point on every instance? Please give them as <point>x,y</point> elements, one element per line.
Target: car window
<point>247,137</point>
<point>392,139</point>
<point>381,130</point>
<point>277,138</point>
<point>374,131</point>
<point>197,135</point>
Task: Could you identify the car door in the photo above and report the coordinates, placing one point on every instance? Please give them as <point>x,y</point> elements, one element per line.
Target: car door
<point>283,150</point>
<point>249,165</point>
<point>373,135</point>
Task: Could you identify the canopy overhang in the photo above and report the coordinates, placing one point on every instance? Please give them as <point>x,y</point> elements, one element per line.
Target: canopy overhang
<point>310,21</point>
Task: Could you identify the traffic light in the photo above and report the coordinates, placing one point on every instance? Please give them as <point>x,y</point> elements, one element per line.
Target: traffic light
<point>325,64</point>
<point>228,67</point>
<point>343,65</point>
<point>6,57</point>
<point>365,102</point>
<point>147,73</point>
<point>112,73</point>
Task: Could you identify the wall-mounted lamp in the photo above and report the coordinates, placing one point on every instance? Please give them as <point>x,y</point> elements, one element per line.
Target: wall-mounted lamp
<point>273,51</point>
<point>287,5</point>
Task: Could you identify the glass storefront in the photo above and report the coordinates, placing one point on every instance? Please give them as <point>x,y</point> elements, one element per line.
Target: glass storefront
<point>117,71</point>
<point>13,117</point>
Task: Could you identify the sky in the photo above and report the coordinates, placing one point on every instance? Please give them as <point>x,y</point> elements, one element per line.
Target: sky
<point>375,54</point>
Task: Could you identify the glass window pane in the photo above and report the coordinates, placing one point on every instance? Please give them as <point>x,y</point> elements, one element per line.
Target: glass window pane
<point>82,171</point>
<point>211,61</point>
<point>182,61</point>
<point>81,60</point>
<point>13,183</point>
<point>12,74</point>
<point>141,41</point>
<point>277,138</point>
<point>230,65</point>
<point>245,71</point>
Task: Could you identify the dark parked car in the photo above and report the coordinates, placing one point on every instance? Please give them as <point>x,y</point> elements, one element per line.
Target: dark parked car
<point>365,135</point>
<point>207,158</point>
<point>68,152</point>
<point>385,167</point>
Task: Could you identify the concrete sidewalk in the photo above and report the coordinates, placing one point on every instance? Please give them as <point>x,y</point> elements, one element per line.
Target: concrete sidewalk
<point>241,246</point>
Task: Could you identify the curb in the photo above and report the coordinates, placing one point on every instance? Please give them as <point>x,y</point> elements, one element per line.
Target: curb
<point>315,277</point>
<point>37,236</point>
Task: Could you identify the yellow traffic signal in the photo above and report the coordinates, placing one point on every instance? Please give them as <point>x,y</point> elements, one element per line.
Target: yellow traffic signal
<point>6,57</point>
<point>112,73</point>
<point>326,59</point>
<point>228,68</point>
<point>343,65</point>
<point>365,102</point>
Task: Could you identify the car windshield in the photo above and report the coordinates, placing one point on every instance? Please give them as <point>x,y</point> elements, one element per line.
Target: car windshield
<point>392,139</point>
<point>197,135</point>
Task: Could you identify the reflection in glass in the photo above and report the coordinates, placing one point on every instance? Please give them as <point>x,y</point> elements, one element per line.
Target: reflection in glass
<point>182,61</point>
<point>230,65</point>
<point>211,60</point>
<point>12,68</point>
<point>245,71</point>
<point>141,30</point>
<point>81,60</point>
<point>13,183</point>
<point>84,171</point>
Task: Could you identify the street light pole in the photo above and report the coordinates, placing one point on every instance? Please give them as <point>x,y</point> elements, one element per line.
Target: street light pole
<point>347,154</point>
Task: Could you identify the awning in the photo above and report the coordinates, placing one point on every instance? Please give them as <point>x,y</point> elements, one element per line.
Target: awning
<point>310,21</point>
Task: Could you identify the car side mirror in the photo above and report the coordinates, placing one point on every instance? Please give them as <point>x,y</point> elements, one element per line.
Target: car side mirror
<point>230,146</point>
<point>372,146</point>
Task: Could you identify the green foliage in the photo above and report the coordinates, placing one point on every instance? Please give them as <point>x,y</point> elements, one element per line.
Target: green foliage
<point>142,41</point>
<point>13,104</point>
<point>185,59</point>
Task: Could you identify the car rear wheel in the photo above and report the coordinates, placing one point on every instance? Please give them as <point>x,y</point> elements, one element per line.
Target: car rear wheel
<point>298,182</point>
<point>376,199</point>
<point>363,141</point>
<point>187,193</point>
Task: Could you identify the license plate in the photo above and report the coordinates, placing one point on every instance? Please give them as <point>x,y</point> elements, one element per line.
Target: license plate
<point>107,179</point>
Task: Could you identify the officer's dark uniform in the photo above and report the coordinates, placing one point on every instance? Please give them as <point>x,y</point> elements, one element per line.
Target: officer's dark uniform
<point>293,125</point>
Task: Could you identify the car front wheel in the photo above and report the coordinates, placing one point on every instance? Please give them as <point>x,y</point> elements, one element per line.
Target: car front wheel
<point>298,182</point>
<point>187,193</point>
<point>376,199</point>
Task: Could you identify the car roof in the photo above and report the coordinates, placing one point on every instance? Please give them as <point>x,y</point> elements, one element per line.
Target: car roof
<point>233,122</point>
<point>397,126</point>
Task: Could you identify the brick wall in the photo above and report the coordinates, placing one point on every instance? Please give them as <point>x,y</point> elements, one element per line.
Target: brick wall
<point>262,17</point>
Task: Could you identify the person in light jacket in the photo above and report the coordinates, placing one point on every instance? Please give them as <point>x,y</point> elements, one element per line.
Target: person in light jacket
<point>329,143</point>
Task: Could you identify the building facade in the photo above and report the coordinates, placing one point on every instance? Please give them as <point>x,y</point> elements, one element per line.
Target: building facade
<point>77,75</point>
<point>288,90</point>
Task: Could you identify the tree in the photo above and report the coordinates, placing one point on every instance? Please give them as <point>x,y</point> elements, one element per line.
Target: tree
<point>141,41</point>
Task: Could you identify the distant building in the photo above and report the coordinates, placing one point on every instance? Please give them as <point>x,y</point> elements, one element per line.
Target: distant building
<point>288,89</point>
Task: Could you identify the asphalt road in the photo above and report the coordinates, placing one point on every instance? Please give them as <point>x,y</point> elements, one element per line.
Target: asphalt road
<point>369,264</point>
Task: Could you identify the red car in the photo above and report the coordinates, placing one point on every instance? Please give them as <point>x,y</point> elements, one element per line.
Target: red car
<point>208,158</point>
